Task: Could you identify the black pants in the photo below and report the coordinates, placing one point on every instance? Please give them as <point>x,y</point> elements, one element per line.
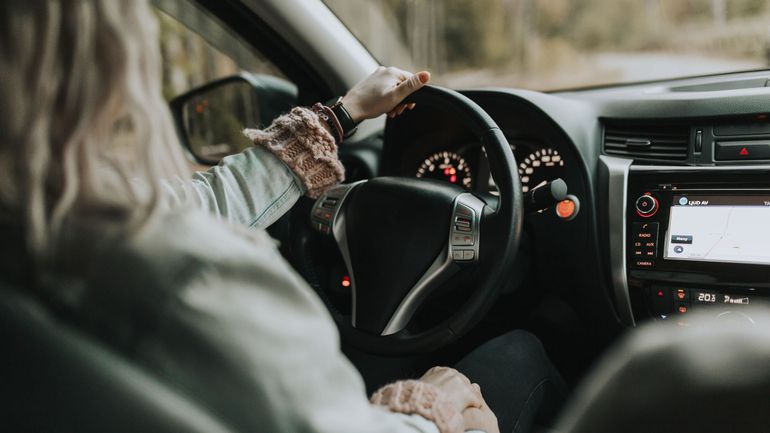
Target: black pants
<point>517,380</point>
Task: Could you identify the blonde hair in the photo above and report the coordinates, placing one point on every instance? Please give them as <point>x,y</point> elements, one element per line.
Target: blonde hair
<point>81,117</point>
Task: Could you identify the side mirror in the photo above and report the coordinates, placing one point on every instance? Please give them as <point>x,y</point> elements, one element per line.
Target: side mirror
<point>210,119</point>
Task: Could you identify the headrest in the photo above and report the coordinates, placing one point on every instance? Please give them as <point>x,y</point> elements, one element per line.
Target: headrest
<point>55,379</point>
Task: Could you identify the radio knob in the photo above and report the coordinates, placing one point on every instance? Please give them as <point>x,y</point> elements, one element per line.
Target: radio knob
<point>646,205</point>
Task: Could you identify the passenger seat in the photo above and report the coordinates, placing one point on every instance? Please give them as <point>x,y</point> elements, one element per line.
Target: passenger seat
<point>708,375</point>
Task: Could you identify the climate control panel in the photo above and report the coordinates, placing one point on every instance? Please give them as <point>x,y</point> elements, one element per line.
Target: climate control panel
<point>665,301</point>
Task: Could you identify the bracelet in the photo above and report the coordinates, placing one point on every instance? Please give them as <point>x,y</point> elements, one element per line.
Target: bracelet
<point>327,115</point>
<point>344,117</point>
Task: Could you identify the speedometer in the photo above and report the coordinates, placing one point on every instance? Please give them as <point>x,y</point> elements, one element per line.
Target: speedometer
<point>447,166</point>
<point>539,167</point>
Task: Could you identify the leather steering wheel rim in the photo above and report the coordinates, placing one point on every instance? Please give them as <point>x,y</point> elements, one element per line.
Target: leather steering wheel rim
<point>500,231</point>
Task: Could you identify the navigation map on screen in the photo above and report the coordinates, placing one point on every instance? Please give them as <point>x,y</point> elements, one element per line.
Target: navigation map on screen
<point>719,228</point>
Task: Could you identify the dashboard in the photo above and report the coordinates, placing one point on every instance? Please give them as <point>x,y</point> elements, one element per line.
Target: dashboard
<point>541,150</point>
<point>557,253</point>
<point>696,151</point>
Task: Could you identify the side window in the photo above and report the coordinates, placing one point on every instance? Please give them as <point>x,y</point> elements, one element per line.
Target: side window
<point>197,49</point>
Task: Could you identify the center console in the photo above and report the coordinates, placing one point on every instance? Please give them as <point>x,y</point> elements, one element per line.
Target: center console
<point>687,239</point>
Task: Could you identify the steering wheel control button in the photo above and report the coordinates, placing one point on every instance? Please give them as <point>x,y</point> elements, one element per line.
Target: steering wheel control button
<point>463,224</point>
<point>742,150</point>
<point>462,239</point>
<point>464,229</point>
<point>646,205</point>
<point>322,218</point>
<point>329,202</point>
<point>463,210</point>
<point>323,228</point>
<point>325,213</point>
<point>463,255</point>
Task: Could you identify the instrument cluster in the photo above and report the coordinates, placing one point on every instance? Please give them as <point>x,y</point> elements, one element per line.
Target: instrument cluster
<point>467,165</point>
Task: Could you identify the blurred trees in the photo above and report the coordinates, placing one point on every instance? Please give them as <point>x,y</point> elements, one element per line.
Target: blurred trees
<point>534,36</point>
<point>195,57</point>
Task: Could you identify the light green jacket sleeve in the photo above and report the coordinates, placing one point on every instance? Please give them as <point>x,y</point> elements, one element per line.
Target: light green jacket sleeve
<point>252,188</point>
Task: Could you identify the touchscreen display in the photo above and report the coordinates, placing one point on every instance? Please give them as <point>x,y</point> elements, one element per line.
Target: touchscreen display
<point>719,228</point>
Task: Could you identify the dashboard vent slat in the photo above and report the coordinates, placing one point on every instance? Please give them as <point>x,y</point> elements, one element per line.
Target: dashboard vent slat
<point>658,142</point>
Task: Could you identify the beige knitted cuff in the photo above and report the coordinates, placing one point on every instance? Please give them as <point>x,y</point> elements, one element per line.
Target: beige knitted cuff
<point>299,139</point>
<point>424,399</point>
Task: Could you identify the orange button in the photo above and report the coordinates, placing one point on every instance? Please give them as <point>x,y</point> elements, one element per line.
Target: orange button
<point>565,209</point>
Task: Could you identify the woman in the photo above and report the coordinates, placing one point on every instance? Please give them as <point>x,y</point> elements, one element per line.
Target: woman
<point>113,241</point>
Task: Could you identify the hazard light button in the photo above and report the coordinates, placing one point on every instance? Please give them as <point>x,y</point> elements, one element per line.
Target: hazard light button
<point>742,150</point>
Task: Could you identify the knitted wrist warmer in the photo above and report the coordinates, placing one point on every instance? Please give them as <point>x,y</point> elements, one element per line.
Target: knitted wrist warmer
<point>421,398</point>
<point>299,139</point>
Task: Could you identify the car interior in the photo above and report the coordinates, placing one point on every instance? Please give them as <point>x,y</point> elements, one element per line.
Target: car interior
<point>576,215</point>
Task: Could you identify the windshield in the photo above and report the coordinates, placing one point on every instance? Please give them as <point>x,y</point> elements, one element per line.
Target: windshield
<point>557,44</point>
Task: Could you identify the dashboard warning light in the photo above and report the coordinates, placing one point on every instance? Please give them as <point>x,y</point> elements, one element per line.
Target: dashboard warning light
<point>565,209</point>
<point>744,152</point>
<point>345,281</point>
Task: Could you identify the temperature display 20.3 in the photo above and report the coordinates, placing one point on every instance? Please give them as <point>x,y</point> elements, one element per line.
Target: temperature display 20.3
<point>708,297</point>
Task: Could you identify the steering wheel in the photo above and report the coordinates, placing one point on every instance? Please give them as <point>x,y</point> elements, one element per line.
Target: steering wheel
<point>403,238</point>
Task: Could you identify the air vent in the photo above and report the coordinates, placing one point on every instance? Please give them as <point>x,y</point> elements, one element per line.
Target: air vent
<point>667,142</point>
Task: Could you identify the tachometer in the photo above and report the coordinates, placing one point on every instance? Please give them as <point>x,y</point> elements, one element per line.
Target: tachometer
<point>540,166</point>
<point>447,166</point>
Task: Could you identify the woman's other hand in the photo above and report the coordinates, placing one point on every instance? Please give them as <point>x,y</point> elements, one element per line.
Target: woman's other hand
<point>481,418</point>
<point>456,389</point>
<point>382,92</point>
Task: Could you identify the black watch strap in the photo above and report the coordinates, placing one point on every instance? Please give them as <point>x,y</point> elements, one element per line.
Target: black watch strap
<point>346,121</point>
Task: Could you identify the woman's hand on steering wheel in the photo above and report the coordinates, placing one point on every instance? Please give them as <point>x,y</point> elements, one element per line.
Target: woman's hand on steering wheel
<point>382,91</point>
